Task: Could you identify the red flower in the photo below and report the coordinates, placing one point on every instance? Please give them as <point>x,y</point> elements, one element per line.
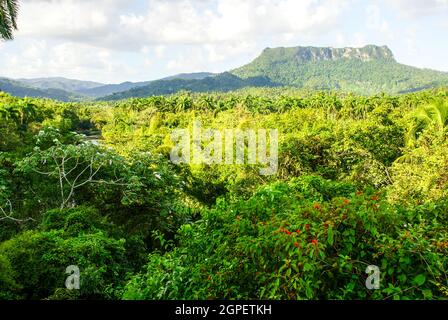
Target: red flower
<point>375,198</point>
<point>346,201</point>
<point>285,231</point>
<point>316,206</point>
<point>296,244</point>
<point>314,242</point>
<point>298,231</point>
<point>307,226</point>
<point>359,193</point>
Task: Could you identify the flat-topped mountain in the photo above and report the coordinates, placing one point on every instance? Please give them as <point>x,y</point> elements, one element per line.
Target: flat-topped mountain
<point>367,70</point>
<point>316,54</point>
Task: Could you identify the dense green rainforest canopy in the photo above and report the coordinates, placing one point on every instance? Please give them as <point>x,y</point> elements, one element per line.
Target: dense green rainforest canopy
<point>362,180</point>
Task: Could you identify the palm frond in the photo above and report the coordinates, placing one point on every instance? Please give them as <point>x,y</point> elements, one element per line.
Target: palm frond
<point>434,114</point>
<point>9,10</point>
<point>13,8</point>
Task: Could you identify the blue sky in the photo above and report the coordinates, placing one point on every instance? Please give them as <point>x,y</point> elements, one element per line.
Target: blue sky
<point>112,41</point>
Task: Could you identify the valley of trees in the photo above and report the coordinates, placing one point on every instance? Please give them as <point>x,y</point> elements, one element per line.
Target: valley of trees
<point>362,180</point>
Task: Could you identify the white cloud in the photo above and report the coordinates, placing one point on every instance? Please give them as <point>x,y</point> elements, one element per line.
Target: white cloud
<point>119,40</point>
<point>225,51</point>
<point>64,17</point>
<point>419,8</point>
<point>106,23</point>
<point>190,60</point>
<point>359,40</point>
<point>373,14</point>
<point>376,23</point>
<point>148,63</point>
<point>69,59</point>
<point>236,20</point>
<point>189,35</point>
<point>160,50</point>
<point>34,50</point>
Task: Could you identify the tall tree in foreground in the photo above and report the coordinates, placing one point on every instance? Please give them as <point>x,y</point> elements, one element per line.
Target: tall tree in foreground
<point>8,18</point>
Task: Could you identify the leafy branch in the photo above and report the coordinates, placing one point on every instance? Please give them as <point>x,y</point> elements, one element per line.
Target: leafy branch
<point>7,214</point>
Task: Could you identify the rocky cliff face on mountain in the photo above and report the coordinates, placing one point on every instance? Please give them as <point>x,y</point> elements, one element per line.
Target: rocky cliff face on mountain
<point>316,54</point>
<point>368,53</point>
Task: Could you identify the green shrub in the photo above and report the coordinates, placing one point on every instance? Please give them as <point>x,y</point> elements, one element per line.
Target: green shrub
<point>8,287</point>
<point>69,237</point>
<point>281,245</point>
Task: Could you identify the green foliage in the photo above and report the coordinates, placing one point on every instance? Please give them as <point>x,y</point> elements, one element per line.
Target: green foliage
<point>281,245</point>
<point>434,114</point>
<point>73,221</point>
<point>420,175</point>
<point>362,180</point>
<point>7,283</point>
<point>69,237</point>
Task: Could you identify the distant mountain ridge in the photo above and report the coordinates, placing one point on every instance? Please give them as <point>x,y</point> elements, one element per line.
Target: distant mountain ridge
<point>20,89</point>
<point>222,82</point>
<point>64,89</point>
<point>367,70</point>
<point>60,83</point>
<point>109,89</point>
<point>191,76</point>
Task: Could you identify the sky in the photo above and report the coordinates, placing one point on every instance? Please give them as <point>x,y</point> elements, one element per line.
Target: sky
<point>113,41</point>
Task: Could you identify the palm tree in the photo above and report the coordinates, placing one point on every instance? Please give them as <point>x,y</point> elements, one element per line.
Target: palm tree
<point>433,114</point>
<point>8,18</point>
<point>27,112</point>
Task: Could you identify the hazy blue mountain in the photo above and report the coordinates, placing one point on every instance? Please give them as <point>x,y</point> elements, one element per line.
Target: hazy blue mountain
<point>222,82</point>
<point>110,89</point>
<point>66,89</point>
<point>190,76</point>
<point>20,89</point>
<point>60,83</point>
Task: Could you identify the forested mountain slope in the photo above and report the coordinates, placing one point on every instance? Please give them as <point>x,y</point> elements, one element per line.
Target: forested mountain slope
<point>366,70</point>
